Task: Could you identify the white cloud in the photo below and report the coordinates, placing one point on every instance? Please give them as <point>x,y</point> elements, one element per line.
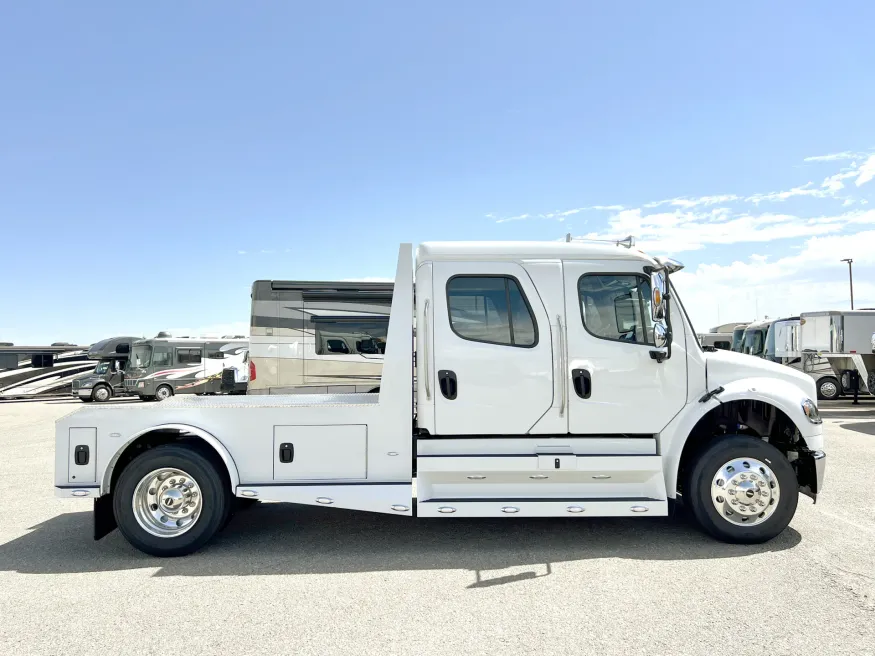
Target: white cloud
<point>241,252</point>
<point>519,217</point>
<point>832,157</point>
<point>867,171</point>
<point>688,203</point>
<point>680,231</point>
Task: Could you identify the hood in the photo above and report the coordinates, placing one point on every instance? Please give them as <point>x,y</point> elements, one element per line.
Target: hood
<point>727,366</point>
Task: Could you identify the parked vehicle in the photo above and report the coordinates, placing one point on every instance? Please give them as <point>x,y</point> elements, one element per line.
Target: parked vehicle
<point>754,339</point>
<point>165,366</point>
<point>716,340</point>
<point>784,346</point>
<point>317,337</point>
<point>738,338</point>
<point>107,379</point>
<point>555,379</point>
<point>845,340</point>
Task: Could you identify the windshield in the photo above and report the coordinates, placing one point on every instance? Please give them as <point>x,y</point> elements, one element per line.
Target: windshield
<point>737,339</point>
<point>141,356</point>
<point>102,367</point>
<point>753,341</point>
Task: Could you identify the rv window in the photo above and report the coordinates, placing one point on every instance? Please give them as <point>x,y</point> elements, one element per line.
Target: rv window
<point>350,335</point>
<point>188,356</point>
<point>213,353</point>
<point>616,307</point>
<point>161,358</point>
<point>490,309</point>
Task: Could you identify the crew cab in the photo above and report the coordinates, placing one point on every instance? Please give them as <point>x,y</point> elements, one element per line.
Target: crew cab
<point>553,379</point>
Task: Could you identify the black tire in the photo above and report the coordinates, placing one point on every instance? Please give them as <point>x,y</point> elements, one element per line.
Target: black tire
<point>697,494</point>
<point>101,394</point>
<point>163,392</point>
<point>204,468</point>
<point>828,388</point>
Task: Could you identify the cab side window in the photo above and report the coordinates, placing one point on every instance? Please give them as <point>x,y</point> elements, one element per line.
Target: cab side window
<point>188,356</point>
<point>616,307</point>
<point>491,309</point>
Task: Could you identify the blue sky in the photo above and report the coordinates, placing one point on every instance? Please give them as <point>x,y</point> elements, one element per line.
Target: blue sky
<point>154,161</point>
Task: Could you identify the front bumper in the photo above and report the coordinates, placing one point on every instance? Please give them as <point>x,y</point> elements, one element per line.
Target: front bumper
<point>83,392</point>
<point>810,468</point>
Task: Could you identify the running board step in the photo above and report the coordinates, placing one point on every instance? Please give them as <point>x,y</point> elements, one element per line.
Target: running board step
<point>542,508</point>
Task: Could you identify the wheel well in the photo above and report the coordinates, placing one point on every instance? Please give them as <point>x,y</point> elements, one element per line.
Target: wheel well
<point>167,436</point>
<point>376,390</point>
<point>745,417</point>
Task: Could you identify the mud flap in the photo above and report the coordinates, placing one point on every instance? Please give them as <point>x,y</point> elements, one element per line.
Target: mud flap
<point>104,518</point>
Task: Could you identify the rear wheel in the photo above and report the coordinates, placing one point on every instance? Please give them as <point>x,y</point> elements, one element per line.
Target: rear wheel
<point>101,394</point>
<point>742,489</point>
<point>828,388</point>
<point>171,500</point>
<point>163,392</point>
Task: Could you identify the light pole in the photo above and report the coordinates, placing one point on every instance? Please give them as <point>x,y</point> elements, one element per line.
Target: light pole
<point>850,262</point>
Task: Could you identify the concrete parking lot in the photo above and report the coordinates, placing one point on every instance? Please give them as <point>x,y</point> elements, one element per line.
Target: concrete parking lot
<point>289,580</point>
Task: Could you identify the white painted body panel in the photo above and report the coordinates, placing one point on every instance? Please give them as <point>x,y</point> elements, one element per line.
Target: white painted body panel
<point>546,457</point>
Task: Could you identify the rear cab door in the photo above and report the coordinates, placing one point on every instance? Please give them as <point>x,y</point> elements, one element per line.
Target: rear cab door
<point>493,361</point>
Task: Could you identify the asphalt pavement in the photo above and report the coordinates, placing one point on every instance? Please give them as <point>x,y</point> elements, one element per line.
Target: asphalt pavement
<point>282,579</point>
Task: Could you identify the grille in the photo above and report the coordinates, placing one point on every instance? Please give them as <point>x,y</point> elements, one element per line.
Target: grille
<point>131,382</point>
<point>76,384</point>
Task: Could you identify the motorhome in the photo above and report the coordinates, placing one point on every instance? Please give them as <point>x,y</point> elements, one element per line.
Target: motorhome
<point>716,340</point>
<point>317,337</point>
<point>163,367</point>
<point>784,346</point>
<point>555,380</point>
<point>738,338</point>
<point>846,339</point>
<point>753,341</point>
<point>107,379</point>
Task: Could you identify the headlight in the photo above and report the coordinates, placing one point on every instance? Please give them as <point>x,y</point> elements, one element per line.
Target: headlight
<point>809,407</point>
<point>86,383</point>
<point>141,385</point>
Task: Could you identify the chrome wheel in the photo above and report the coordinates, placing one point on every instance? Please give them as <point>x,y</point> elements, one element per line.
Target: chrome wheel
<point>167,502</point>
<point>163,393</point>
<point>829,389</point>
<point>745,492</point>
<point>101,394</point>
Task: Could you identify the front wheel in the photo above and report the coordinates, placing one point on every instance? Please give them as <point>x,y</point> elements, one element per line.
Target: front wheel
<point>171,500</point>
<point>743,490</point>
<point>101,394</point>
<point>163,392</point>
<point>828,388</point>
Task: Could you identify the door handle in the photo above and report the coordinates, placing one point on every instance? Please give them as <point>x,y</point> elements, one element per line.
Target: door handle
<point>287,452</point>
<point>582,381</point>
<point>448,384</point>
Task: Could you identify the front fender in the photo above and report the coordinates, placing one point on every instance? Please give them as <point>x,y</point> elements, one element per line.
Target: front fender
<point>781,394</point>
<point>210,439</point>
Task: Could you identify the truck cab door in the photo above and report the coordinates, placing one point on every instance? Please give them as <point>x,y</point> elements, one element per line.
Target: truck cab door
<point>493,361</point>
<point>615,386</point>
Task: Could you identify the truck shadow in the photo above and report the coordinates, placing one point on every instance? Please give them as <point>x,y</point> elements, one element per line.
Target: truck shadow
<point>865,427</point>
<point>288,540</point>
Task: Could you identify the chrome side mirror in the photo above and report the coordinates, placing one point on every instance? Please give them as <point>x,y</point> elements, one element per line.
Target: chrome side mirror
<point>657,300</point>
<point>660,334</point>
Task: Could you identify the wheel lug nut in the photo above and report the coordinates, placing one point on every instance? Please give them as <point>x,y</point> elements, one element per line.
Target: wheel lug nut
<point>152,490</point>
<point>741,476</point>
<point>173,481</point>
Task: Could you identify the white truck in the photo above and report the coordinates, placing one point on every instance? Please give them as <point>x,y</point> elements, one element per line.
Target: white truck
<point>784,346</point>
<point>554,379</point>
<point>847,340</point>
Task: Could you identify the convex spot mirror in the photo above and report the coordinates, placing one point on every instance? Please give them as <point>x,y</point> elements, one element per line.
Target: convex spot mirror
<point>657,301</point>
<point>660,335</point>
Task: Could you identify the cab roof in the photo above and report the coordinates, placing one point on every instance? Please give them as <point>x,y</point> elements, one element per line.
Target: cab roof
<point>526,250</point>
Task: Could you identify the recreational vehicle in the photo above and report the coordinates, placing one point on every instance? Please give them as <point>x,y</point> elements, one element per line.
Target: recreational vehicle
<point>846,340</point>
<point>317,337</point>
<point>107,379</point>
<point>738,338</point>
<point>753,341</point>
<point>784,346</point>
<point>165,366</point>
<point>543,392</point>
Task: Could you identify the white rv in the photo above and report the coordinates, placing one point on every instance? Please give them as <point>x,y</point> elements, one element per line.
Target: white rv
<point>555,380</point>
<point>317,337</point>
<point>846,340</point>
<point>784,346</point>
